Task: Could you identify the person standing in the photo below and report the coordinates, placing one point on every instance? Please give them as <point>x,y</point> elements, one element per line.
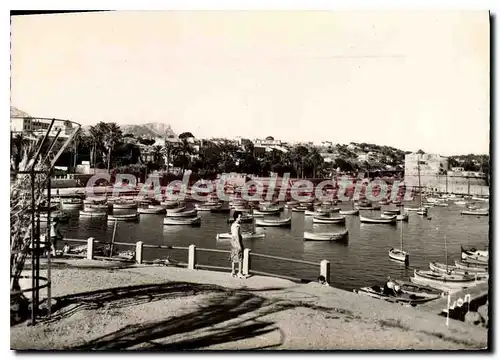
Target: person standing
<point>236,256</point>
<point>55,235</point>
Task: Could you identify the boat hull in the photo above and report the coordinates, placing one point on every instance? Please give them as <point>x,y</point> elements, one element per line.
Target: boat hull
<point>399,256</point>
<point>328,220</point>
<point>274,223</point>
<point>325,236</point>
<point>378,221</point>
<point>188,221</point>
<point>182,214</point>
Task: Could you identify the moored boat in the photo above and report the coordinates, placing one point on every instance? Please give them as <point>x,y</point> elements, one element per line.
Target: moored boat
<point>71,204</point>
<point>316,213</point>
<point>452,282</point>
<point>267,211</point>
<point>207,206</point>
<point>399,255</point>
<point>472,254</point>
<point>329,220</point>
<point>399,217</point>
<point>182,214</point>
<point>152,210</point>
<point>96,207</point>
<point>442,268</point>
<point>300,208</point>
<point>124,205</point>
<point>194,221</point>
<point>325,236</point>
<point>287,222</point>
<point>245,235</point>
<point>349,212</point>
<point>245,219</point>
<point>391,212</point>
<point>402,297</point>
<point>478,212</point>
<point>381,220</point>
<point>471,266</point>
<point>123,217</point>
<point>93,214</point>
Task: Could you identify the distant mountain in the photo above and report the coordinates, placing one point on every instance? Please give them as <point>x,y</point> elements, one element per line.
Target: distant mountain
<point>149,130</point>
<point>15,112</point>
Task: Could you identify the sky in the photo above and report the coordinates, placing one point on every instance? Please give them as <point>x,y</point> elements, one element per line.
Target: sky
<point>412,80</point>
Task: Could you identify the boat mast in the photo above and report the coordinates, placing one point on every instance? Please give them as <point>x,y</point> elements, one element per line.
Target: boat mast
<point>446,253</point>
<point>419,186</point>
<point>401,235</point>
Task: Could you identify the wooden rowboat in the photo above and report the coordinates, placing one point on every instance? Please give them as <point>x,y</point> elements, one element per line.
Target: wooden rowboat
<point>207,206</point>
<point>269,211</point>
<point>123,217</point>
<point>404,298</point>
<point>194,221</point>
<point>325,236</point>
<point>329,220</point>
<point>287,222</point>
<point>381,220</point>
<point>391,212</point>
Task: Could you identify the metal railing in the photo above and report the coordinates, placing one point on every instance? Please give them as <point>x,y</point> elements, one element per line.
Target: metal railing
<point>192,264</point>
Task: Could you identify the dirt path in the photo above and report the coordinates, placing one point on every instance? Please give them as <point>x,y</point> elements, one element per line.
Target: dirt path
<point>151,307</point>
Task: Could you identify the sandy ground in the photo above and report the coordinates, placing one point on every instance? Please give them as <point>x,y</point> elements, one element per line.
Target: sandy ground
<point>151,307</point>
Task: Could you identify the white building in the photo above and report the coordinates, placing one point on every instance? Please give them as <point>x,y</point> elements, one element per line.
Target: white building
<point>40,126</point>
<point>431,167</point>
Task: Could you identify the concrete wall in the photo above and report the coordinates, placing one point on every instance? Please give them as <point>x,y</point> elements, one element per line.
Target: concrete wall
<point>451,184</point>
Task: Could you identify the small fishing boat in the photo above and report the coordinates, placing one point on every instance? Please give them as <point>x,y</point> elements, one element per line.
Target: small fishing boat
<point>300,208</point>
<point>220,210</point>
<point>471,266</point>
<point>420,290</point>
<point>93,214</point>
<point>359,207</point>
<point>71,204</point>
<point>391,212</point>
<point>123,217</point>
<point>152,210</point>
<point>245,219</point>
<point>461,203</point>
<point>287,222</point>
<point>472,254</point>
<point>95,200</point>
<point>194,221</point>
<point>176,209</point>
<point>329,220</point>
<point>384,202</point>
<point>478,212</point>
<point>404,298</point>
<point>451,282</point>
<point>325,236</point>
<point>182,214</point>
<point>96,207</point>
<point>316,213</point>
<point>399,254</point>
<point>59,214</point>
<point>381,220</point>
<point>168,204</point>
<point>267,211</point>
<point>245,235</point>
<point>124,205</point>
<point>349,212</point>
<point>416,209</point>
<point>207,206</point>
<point>442,268</point>
<point>400,217</point>
<point>441,204</point>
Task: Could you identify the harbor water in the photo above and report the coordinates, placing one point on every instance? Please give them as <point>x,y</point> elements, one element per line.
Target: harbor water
<point>362,260</point>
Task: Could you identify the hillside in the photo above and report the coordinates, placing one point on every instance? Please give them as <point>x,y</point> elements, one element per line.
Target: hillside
<point>15,112</point>
<point>149,130</point>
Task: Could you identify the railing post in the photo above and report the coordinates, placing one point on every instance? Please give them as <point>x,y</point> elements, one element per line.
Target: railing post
<point>192,257</point>
<point>138,252</point>
<point>90,248</point>
<point>246,261</point>
<point>325,270</point>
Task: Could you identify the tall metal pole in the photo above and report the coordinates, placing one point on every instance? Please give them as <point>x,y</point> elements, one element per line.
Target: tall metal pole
<point>33,250</point>
<point>48,240</point>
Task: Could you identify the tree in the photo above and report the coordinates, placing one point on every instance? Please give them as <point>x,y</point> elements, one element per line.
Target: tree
<point>111,138</point>
<point>186,135</point>
<point>168,151</point>
<point>421,152</point>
